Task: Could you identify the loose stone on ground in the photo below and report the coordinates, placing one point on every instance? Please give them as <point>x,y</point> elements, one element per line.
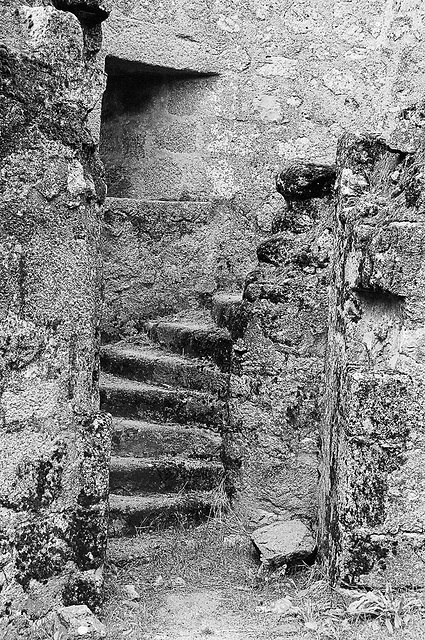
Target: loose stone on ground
<point>283,542</point>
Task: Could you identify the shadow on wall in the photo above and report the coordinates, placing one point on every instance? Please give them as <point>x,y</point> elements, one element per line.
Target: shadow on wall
<point>152,135</point>
<point>172,237</point>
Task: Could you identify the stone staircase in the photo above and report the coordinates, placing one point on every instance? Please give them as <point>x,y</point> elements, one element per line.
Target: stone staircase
<point>167,397</point>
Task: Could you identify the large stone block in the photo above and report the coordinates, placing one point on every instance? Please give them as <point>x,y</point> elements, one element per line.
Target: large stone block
<point>372,501</point>
<point>54,445</point>
<point>278,370</point>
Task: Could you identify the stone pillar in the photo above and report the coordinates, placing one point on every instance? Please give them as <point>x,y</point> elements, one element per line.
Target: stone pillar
<point>54,445</point>
<point>373,475</point>
<point>278,361</point>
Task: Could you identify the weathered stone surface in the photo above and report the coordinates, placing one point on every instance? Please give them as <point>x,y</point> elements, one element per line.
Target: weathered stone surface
<point>152,364</point>
<point>130,476</point>
<point>136,400</point>
<point>77,622</point>
<point>283,542</point>
<point>130,513</point>
<point>142,439</point>
<point>289,81</point>
<point>197,338</point>
<point>277,373</point>
<point>373,483</point>
<point>54,446</point>
<point>165,257</point>
<point>284,247</point>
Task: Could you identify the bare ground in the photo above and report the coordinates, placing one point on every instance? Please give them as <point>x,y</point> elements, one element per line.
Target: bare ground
<point>191,584</point>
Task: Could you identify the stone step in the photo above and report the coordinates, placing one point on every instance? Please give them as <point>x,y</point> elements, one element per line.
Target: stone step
<point>229,310</point>
<point>193,339</point>
<point>146,439</point>
<point>128,515</point>
<point>147,364</point>
<point>223,306</point>
<point>162,475</point>
<point>137,400</point>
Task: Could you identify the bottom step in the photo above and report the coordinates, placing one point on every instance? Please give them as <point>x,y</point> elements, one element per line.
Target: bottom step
<point>130,514</point>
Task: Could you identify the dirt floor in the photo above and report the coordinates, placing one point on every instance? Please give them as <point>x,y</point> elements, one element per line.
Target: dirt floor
<point>189,584</point>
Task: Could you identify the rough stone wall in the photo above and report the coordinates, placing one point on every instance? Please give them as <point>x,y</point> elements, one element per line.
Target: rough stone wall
<point>373,480</point>
<point>277,376</point>
<point>172,238</point>
<point>54,446</point>
<point>155,134</point>
<point>292,77</point>
<point>173,234</point>
<point>164,257</point>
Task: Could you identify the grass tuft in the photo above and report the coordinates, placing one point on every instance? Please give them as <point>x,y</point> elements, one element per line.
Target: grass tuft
<point>394,610</point>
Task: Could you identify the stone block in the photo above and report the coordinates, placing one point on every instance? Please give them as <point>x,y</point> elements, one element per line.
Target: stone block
<point>51,192</point>
<point>283,542</point>
<point>79,622</point>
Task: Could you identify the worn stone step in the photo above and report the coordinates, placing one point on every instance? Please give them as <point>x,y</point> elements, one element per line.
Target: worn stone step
<point>128,515</point>
<point>229,310</point>
<point>146,439</point>
<point>137,400</point>
<point>162,475</point>
<point>223,306</point>
<point>149,364</point>
<point>193,339</point>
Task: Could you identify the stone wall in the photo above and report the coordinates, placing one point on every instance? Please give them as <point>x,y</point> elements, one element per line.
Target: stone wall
<point>172,236</point>
<point>53,445</point>
<point>373,480</point>
<point>155,134</point>
<point>166,257</point>
<point>276,386</point>
<point>290,79</point>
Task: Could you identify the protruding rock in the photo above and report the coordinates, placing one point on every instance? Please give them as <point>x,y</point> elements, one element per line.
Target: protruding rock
<point>307,253</point>
<point>302,180</point>
<point>283,542</point>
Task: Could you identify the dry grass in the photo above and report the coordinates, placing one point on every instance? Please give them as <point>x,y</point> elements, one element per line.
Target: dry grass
<point>372,615</point>
<point>395,610</point>
<point>215,560</point>
<point>214,556</point>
